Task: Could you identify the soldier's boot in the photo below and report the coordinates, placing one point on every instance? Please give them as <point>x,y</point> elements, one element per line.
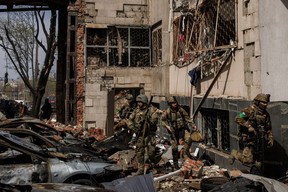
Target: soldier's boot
<point>175,155</point>
<point>175,164</point>
<point>140,170</point>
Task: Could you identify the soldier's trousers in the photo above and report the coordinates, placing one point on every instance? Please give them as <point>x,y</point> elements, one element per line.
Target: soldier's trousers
<point>147,143</point>
<point>187,141</point>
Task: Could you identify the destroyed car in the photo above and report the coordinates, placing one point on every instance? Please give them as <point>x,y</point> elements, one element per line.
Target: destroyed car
<point>23,162</point>
<point>43,129</point>
<point>50,145</point>
<point>117,142</point>
<point>31,123</point>
<point>51,187</point>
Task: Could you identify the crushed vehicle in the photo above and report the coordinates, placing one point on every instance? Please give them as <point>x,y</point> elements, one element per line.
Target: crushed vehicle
<point>34,124</point>
<point>23,162</point>
<point>117,142</point>
<point>51,187</point>
<point>44,129</point>
<point>51,145</point>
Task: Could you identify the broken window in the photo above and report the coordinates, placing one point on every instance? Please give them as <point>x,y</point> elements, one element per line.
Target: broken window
<point>215,125</point>
<point>210,25</point>
<point>118,46</point>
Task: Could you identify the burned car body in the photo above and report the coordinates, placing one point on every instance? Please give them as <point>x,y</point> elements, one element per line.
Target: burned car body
<point>51,187</point>
<point>22,162</point>
<point>30,123</point>
<point>117,142</point>
<point>44,129</point>
<point>50,145</point>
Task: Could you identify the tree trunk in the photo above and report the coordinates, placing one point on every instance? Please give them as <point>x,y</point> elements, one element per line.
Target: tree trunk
<point>37,101</point>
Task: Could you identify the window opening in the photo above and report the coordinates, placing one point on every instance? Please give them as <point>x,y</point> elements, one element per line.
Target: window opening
<point>215,125</point>
<point>210,26</point>
<point>118,46</point>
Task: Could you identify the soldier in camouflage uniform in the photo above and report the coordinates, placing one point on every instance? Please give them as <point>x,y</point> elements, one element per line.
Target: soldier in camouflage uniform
<point>124,112</point>
<point>255,130</point>
<point>144,117</point>
<point>127,108</point>
<point>176,120</point>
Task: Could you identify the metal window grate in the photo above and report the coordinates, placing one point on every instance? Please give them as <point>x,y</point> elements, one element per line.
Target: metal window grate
<point>215,125</point>
<point>212,25</point>
<point>157,46</point>
<point>118,46</point>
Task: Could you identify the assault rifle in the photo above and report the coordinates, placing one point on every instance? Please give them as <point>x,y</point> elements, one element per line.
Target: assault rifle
<point>146,119</point>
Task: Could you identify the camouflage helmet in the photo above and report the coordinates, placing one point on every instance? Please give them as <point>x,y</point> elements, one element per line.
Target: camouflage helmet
<point>142,98</point>
<point>171,100</point>
<point>262,97</point>
<point>129,97</point>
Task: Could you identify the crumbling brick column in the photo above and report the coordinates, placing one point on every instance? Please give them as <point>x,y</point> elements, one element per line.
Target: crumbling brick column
<point>80,73</point>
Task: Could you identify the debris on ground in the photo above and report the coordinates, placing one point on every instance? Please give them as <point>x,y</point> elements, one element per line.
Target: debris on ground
<point>196,173</point>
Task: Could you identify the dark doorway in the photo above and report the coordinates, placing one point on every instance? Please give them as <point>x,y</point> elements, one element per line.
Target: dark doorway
<point>116,98</point>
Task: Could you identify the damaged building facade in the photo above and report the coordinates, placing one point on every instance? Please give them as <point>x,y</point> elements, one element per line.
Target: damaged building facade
<point>215,56</point>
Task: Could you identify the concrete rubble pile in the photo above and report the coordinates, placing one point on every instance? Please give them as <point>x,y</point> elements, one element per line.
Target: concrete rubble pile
<point>78,131</point>
<point>189,177</point>
<point>196,173</point>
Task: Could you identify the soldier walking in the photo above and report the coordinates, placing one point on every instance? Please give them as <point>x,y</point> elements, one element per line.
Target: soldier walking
<point>143,121</point>
<point>178,123</point>
<point>255,130</point>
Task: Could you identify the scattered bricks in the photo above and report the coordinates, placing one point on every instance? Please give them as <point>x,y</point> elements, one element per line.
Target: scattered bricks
<point>192,168</point>
<point>97,133</point>
<point>68,129</point>
<point>78,131</point>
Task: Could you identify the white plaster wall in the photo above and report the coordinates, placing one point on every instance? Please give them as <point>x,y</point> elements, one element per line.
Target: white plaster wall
<point>160,11</point>
<point>230,83</point>
<point>180,81</point>
<point>274,47</point>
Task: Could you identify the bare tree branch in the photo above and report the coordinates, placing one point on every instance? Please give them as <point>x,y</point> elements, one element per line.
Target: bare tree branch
<point>17,38</point>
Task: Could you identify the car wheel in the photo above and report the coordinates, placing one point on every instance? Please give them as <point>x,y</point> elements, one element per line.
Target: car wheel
<point>85,182</point>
